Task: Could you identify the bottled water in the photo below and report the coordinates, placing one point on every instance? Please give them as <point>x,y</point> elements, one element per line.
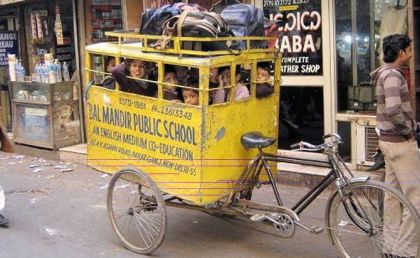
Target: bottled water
<point>57,69</point>
<point>44,74</point>
<point>51,73</point>
<point>37,77</point>
<point>66,73</point>
<point>19,71</point>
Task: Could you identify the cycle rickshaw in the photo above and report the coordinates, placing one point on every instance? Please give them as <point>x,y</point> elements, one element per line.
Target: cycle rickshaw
<point>211,156</point>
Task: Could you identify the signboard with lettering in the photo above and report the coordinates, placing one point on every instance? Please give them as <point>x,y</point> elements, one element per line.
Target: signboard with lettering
<point>33,123</point>
<point>300,38</point>
<point>8,45</point>
<point>189,151</point>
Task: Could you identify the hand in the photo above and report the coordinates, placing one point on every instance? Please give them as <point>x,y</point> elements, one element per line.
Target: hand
<point>411,138</point>
<point>220,80</point>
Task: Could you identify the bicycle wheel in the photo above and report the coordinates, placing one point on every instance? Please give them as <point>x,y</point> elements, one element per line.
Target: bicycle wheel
<point>137,211</point>
<point>364,224</point>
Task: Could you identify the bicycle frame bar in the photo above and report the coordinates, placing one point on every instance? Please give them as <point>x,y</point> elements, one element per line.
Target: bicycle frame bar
<point>309,197</point>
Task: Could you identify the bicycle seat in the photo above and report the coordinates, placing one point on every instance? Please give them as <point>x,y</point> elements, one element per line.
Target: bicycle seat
<point>256,140</point>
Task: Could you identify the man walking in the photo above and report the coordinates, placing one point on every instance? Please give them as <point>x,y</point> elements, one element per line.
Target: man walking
<point>397,142</point>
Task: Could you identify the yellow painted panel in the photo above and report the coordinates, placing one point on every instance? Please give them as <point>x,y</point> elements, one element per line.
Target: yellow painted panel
<point>224,156</point>
<point>159,137</point>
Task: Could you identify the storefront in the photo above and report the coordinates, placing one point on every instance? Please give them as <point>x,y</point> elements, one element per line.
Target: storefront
<point>329,49</point>
<point>40,28</point>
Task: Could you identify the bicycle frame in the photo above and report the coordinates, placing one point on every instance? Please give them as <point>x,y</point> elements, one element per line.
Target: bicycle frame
<point>333,160</point>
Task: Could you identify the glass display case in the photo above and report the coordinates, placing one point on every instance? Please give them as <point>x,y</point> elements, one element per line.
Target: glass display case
<point>45,115</point>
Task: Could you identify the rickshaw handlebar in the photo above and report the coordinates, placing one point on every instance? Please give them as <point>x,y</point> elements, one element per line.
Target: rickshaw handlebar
<point>306,146</point>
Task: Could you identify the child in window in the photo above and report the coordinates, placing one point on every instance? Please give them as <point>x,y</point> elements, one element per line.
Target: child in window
<point>190,95</point>
<point>170,91</point>
<point>218,78</point>
<point>242,91</point>
<point>223,79</point>
<point>109,81</point>
<point>133,68</point>
<point>264,87</point>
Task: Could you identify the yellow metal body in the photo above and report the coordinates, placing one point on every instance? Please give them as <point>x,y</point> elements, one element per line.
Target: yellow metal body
<point>192,152</point>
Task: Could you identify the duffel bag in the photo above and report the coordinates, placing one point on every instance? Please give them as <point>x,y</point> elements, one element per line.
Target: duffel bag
<point>197,24</point>
<point>245,20</point>
<point>153,19</point>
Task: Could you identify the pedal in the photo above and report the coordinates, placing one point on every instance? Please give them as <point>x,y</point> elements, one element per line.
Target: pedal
<point>258,217</point>
<point>316,229</point>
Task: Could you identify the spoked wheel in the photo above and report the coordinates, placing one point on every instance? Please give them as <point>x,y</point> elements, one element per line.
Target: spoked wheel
<point>137,211</point>
<point>374,221</point>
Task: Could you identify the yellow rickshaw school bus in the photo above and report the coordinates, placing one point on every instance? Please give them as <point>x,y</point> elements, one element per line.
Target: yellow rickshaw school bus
<point>190,151</point>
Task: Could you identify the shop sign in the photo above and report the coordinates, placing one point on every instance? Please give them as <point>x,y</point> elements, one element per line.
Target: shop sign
<point>299,39</point>
<point>8,45</point>
<point>33,123</point>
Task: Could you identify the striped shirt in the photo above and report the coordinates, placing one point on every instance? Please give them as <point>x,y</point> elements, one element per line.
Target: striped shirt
<point>394,115</point>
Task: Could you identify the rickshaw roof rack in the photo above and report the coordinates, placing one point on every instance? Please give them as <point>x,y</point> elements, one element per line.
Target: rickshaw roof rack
<point>125,40</point>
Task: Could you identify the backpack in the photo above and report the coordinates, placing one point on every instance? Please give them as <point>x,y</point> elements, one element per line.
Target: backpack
<point>218,5</point>
<point>153,19</point>
<point>245,20</point>
<point>196,24</point>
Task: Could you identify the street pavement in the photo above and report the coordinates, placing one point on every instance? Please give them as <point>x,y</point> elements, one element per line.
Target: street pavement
<point>58,209</point>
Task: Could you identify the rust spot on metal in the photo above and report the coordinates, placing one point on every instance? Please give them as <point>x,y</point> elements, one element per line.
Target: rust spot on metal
<point>220,134</point>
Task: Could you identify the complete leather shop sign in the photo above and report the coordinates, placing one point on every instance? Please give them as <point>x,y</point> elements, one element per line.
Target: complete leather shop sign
<point>300,37</point>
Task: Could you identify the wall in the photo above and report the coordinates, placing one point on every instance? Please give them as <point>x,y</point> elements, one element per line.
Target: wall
<point>132,10</point>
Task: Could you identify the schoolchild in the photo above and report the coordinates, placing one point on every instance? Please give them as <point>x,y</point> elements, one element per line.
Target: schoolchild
<point>170,91</point>
<point>223,78</point>
<point>182,74</point>
<point>217,81</point>
<point>137,69</point>
<point>264,87</point>
<point>191,95</point>
<point>242,91</point>
<point>109,81</point>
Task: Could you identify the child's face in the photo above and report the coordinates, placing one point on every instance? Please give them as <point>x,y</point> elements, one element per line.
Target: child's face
<point>262,74</point>
<point>190,96</point>
<point>226,77</point>
<point>111,65</point>
<point>181,72</point>
<point>170,77</point>
<point>137,69</point>
<point>213,74</point>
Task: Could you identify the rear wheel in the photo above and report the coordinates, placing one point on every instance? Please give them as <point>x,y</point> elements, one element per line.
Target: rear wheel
<point>137,211</point>
<point>368,222</point>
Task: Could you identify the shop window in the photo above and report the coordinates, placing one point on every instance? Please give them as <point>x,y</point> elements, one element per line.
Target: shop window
<point>360,27</point>
<point>301,116</point>
<point>344,130</point>
<point>7,23</point>
<point>49,29</point>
